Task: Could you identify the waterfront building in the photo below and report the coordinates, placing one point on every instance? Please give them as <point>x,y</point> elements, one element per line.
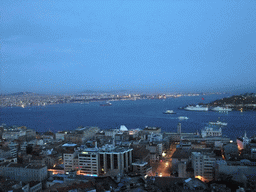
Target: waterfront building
<point>23,172</point>
<point>211,140</point>
<point>214,131</point>
<point>176,137</point>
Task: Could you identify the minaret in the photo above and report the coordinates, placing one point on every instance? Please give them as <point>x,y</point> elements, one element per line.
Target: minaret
<point>246,140</point>
<point>179,128</point>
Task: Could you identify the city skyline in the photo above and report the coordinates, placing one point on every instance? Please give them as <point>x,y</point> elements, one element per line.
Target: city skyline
<point>152,46</point>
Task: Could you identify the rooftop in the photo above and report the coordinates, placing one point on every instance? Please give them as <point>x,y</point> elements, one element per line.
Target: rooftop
<point>107,148</point>
<point>151,128</point>
<point>27,166</point>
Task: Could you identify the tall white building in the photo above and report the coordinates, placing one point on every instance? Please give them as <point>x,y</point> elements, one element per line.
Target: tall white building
<point>88,162</point>
<point>107,160</point>
<point>203,165</point>
<point>70,160</point>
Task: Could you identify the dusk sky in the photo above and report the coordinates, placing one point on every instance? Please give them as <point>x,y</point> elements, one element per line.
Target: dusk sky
<point>173,45</point>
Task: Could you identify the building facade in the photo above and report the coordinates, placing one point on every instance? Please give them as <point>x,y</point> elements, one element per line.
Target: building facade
<point>211,131</point>
<point>203,165</point>
<point>23,172</point>
<point>107,160</point>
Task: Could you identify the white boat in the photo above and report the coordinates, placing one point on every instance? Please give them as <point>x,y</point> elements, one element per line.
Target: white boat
<point>218,123</point>
<point>221,109</point>
<point>182,118</point>
<point>169,112</point>
<point>196,108</point>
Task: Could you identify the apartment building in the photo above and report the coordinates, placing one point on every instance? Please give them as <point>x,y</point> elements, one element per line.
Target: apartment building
<point>88,162</point>
<point>203,165</point>
<point>142,168</point>
<point>69,160</point>
<point>107,160</point>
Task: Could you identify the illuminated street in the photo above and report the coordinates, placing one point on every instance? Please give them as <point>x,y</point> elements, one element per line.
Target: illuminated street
<point>164,166</point>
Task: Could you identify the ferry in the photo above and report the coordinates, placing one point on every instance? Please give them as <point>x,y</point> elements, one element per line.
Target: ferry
<point>221,109</point>
<point>218,123</point>
<point>169,112</point>
<point>106,104</point>
<point>196,108</point>
<point>182,118</point>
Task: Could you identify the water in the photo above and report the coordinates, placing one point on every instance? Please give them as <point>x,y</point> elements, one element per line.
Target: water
<point>132,114</point>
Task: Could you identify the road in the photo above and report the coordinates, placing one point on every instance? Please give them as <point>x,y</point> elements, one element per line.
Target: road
<point>164,166</point>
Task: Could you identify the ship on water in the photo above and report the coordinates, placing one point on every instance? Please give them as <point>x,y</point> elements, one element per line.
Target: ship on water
<point>106,104</point>
<point>182,118</point>
<point>218,123</point>
<point>196,108</point>
<point>169,112</point>
<point>221,109</point>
